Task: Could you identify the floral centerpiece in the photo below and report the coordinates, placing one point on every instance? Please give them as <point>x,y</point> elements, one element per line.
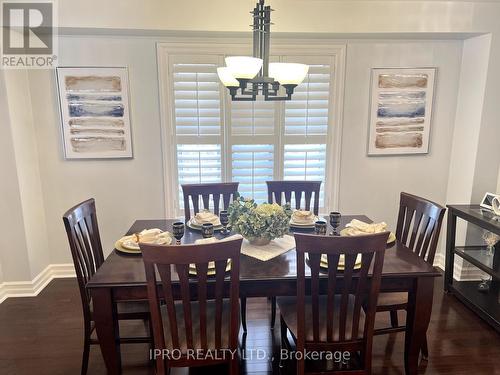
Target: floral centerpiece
<point>259,223</point>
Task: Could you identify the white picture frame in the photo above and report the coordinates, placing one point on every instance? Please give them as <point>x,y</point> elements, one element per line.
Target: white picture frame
<point>487,200</point>
<point>95,112</point>
<point>401,102</point>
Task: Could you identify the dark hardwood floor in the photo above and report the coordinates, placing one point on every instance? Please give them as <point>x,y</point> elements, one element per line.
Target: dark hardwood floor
<point>43,335</point>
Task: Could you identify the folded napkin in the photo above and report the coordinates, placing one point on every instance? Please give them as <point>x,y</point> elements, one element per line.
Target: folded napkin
<point>303,217</point>
<point>152,236</point>
<point>204,217</point>
<point>358,227</point>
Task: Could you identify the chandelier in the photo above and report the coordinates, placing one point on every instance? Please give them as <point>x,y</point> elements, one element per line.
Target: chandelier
<point>252,76</point>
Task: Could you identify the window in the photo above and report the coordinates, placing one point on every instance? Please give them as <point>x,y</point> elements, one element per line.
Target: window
<point>219,140</point>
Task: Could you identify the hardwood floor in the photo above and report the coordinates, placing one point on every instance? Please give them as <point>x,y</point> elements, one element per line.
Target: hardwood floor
<point>43,335</point>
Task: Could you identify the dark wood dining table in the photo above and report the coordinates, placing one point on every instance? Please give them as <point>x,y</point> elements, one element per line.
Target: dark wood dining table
<point>122,277</point>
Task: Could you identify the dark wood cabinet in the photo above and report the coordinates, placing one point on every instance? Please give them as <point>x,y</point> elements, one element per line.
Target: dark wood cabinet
<point>484,303</point>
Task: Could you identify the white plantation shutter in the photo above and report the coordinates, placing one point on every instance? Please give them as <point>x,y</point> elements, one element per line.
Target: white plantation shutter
<point>199,163</point>
<point>307,113</point>
<point>197,115</point>
<point>306,123</point>
<point>252,166</point>
<point>197,101</point>
<point>249,142</point>
<point>305,162</point>
<point>252,118</point>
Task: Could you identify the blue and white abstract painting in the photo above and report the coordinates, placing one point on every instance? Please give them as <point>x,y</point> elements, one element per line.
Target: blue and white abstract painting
<point>401,107</point>
<point>95,112</point>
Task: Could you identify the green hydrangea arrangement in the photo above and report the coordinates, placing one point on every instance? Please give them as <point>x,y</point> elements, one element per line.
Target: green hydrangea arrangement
<point>253,221</point>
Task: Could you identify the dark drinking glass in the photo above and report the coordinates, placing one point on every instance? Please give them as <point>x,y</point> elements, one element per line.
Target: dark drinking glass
<point>178,231</point>
<point>320,227</point>
<point>335,222</point>
<point>207,230</point>
<point>224,220</point>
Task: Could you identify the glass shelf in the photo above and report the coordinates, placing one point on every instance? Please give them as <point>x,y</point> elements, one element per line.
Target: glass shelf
<point>480,257</point>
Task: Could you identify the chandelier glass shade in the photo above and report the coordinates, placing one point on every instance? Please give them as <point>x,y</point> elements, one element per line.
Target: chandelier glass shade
<point>248,76</point>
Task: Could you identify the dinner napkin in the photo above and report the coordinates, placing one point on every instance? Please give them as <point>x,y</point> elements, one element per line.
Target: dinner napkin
<point>152,236</point>
<point>358,227</point>
<point>204,217</point>
<point>302,217</point>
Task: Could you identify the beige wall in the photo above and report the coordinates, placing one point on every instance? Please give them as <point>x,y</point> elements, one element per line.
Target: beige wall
<point>124,190</point>
<point>14,259</point>
<point>371,184</point>
<point>307,16</point>
<point>498,183</point>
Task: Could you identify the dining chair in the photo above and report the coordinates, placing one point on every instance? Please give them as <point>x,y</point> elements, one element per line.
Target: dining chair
<point>225,191</point>
<point>277,189</point>
<point>418,228</point>
<point>275,192</point>
<point>330,318</point>
<point>82,230</point>
<point>202,328</point>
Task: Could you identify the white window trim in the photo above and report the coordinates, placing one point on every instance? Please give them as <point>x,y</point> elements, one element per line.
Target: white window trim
<point>240,46</point>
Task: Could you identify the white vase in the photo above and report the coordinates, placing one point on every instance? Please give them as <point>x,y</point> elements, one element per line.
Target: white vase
<point>259,241</point>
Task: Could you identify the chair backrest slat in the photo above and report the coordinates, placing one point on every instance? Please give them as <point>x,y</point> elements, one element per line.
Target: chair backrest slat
<point>332,259</point>
<point>166,277</point>
<point>84,240</point>
<point>220,269</point>
<point>199,288</point>
<point>276,190</point>
<point>218,191</point>
<point>354,288</point>
<point>419,225</point>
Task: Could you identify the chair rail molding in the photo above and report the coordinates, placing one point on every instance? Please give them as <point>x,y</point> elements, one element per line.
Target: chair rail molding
<point>34,287</point>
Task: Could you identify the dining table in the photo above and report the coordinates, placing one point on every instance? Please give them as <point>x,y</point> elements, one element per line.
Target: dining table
<point>122,278</point>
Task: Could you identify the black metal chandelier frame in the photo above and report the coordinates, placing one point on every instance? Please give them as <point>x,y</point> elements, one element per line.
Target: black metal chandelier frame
<point>262,83</point>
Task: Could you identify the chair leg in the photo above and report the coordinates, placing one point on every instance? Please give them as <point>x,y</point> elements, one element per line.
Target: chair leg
<point>86,351</point>
<point>283,331</point>
<point>300,366</point>
<point>425,349</point>
<point>283,340</point>
<point>394,318</point>
<point>234,366</point>
<point>244,313</point>
<point>273,312</point>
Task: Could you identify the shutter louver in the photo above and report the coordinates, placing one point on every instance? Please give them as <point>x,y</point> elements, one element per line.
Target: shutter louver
<point>196,99</point>
<point>307,113</point>
<point>305,162</point>
<point>252,166</point>
<point>252,118</point>
<point>198,164</point>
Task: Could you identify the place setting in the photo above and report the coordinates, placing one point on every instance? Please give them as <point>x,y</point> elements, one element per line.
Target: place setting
<point>354,228</point>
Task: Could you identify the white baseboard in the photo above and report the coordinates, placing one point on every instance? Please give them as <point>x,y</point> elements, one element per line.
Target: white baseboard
<point>32,288</point>
<point>462,271</point>
<point>439,261</point>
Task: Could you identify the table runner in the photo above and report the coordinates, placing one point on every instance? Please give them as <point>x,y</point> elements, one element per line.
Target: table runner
<point>275,248</point>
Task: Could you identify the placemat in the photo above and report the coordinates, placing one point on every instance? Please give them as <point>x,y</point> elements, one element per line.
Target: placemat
<point>272,250</point>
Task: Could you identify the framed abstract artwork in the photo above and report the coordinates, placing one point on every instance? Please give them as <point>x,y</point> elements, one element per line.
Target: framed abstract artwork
<point>400,110</point>
<point>95,112</point>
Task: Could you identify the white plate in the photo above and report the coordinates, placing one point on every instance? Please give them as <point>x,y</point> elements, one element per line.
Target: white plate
<point>391,239</point>
<point>341,265</point>
<point>303,225</point>
<point>211,268</point>
<point>196,226</point>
